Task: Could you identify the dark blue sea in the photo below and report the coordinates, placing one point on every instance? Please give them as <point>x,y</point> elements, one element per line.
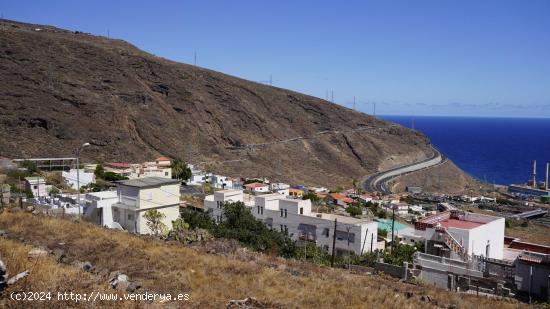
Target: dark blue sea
<point>496,150</point>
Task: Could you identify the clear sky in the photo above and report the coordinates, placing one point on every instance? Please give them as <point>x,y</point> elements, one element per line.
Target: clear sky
<point>481,58</point>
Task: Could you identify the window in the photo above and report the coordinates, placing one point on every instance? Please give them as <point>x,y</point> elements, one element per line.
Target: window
<point>326,232</point>
<point>165,173</point>
<point>301,210</point>
<point>258,209</point>
<point>281,227</point>
<point>262,210</point>
<point>281,212</point>
<point>325,247</point>
<point>130,217</point>
<point>35,186</point>
<point>219,204</point>
<point>285,213</point>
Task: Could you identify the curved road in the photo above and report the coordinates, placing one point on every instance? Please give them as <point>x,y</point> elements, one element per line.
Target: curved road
<point>379,181</point>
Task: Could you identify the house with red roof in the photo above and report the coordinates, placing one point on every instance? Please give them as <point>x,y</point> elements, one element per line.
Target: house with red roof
<point>257,187</point>
<point>340,199</point>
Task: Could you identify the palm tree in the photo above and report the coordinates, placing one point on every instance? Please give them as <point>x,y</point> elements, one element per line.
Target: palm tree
<point>178,168</point>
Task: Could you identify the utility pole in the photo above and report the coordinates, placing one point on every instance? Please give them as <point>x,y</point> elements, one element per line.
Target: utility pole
<point>366,235</point>
<point>349,260</point>
<point>270,80</point>
<point>333,242</point>
<point>371,241</point>
<point>374,113</point>
<point>392,229</point>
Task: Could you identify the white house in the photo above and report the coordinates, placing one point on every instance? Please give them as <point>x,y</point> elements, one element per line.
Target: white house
<point>257,187</point>
<point>294,216</point>
<point>85,177</point>
<point>459,234</point>
<point>137,196</point>
<point>98,207</point>
<point>222,182</point>
<point>279,187</point>
<point>37,185</point>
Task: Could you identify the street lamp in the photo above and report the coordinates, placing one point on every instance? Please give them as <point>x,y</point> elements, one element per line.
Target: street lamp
<point>77,152</point>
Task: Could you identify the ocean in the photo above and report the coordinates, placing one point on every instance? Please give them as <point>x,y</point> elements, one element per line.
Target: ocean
<point>495,150</point>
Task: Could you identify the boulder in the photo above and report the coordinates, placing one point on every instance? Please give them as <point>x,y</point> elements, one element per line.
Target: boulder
<point>133,287</point>
<point>60,255</point>
<point>37,252</point>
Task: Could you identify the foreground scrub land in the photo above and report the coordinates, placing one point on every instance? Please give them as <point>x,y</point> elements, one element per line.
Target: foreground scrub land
<point>213,273</point>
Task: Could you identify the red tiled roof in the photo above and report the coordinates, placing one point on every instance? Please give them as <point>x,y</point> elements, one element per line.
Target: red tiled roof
<point>118,164</point>
<point>255,185</point>
<point>295,190</point>
<point>337,196</point>
<point>163,158</point>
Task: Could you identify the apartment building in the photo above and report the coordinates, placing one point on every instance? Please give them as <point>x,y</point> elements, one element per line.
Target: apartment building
<point>137,196</point>
<point>294,216</point>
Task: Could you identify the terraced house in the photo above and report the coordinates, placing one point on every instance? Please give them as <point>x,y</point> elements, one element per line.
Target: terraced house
<point>294,216</point>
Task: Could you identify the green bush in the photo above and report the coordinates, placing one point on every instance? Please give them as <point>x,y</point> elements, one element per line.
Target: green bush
<point>354,210</point>
<point>111,176</point>
<point>239,223</point>
<point>311,196</point>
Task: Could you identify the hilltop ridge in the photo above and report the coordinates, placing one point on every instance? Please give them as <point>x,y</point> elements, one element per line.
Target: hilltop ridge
<point>59,88</point>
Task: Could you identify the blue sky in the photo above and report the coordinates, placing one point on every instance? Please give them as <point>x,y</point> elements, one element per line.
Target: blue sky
<point>477,58</point>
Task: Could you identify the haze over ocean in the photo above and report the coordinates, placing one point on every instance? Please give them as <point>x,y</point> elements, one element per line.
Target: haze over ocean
<point>500,150</point>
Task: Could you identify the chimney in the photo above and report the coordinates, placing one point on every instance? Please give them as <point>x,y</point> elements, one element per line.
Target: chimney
<point>535,174</point>
<point>546,182</point>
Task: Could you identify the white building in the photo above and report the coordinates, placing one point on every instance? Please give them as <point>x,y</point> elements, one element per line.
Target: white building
<point>459,234</point>
<point>257,187</point>
<point>137,196</point>
<point>222,182</point>
<point>279,187</point>
<point>294,216</point>
<point>37,185</point>
<point>84,177</point>
<point>98,207</point>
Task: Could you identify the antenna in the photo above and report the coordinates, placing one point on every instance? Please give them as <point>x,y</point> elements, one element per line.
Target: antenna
<point>195,58</point>
<point>374,113</point>
<point>332,96</point>
<point>354,103</point>
<point>108,34</point>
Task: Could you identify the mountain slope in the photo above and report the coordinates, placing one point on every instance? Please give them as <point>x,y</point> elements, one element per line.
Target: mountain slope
<point>59,89</point>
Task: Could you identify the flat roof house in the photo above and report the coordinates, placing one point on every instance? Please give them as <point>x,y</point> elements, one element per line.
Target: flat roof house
<point>458,234</point>
<point>37,185</point>
<point>137,196</point>
<point>294,217</point>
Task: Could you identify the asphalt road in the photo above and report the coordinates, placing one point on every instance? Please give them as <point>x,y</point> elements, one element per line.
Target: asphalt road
<point>379,181</point>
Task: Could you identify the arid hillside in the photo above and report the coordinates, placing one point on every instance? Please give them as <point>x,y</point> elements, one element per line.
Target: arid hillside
<point>61,88</point>
<point>212,273</point>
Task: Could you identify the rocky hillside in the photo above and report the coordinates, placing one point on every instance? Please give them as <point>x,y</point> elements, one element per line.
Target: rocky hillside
<point>61,88</point>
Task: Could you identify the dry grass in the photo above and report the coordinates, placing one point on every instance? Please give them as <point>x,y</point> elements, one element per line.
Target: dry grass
<point>210,279</point>
<point>534,233</point>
